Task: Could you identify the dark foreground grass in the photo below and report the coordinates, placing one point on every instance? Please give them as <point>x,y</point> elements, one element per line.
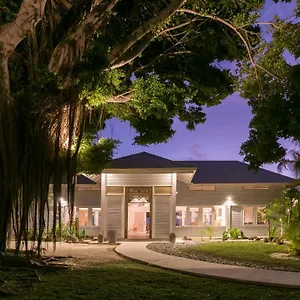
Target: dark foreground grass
<point>128,280</point>
<point>246,253</point>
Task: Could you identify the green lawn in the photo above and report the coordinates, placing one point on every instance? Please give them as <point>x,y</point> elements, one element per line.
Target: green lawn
<point>247,253</point>
<point>128,280</point>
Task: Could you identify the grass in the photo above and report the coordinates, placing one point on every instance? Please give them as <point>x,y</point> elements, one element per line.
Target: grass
<point>128,280</point>
<point>246,253</point>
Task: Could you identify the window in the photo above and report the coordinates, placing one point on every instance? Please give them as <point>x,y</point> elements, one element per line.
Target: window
<point>83,216</point>
<point>253,215</point>
<point>260,216</point>
<point>195,187</point>
<point>207,216</point>
<point>181,216</point>
<point>194,216</point>
<point>96,221</point>
<point>248,215</point>
<point>255,187</point>
<point>220,216</point>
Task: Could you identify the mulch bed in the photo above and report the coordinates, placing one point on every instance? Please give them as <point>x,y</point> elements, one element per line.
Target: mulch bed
<point>175,250</point>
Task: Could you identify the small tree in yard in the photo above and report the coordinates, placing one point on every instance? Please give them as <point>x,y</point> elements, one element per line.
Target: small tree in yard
<point>285,212</point>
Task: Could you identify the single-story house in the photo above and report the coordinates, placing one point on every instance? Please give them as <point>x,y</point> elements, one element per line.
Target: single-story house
<point>147,196</point>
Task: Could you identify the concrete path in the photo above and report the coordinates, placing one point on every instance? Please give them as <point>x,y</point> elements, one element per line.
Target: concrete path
<point>138,251</point>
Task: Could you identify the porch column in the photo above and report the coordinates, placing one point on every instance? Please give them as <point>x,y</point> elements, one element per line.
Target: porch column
<point>103,205</point>
<point>173,203</point>
<point>227,216</point>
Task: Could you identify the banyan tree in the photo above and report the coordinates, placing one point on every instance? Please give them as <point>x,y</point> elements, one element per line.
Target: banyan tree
<point>69,65</point>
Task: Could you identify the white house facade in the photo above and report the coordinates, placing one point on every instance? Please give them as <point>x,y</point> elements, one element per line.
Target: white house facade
<point>147,196</point>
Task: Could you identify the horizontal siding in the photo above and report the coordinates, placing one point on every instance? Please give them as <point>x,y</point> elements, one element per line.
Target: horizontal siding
<point>114,213</point>
<point>185,197</point>
<point>162,216</point>
<point>139,179</point>
<point>261,230</point>
<point>195,231</point>
<point>88,198</point>
<point>236,216</point>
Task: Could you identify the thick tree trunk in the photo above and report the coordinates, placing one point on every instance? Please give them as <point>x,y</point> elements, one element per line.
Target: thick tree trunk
<point>8,157</point>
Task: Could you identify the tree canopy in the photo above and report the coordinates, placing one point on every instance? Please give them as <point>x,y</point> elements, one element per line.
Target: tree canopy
<point>67,66</point>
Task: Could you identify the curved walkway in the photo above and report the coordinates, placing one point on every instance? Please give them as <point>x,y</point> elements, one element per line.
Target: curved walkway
<point>138,251</point>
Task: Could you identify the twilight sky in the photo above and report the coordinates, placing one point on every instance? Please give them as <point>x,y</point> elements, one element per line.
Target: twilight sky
<point>219,138</point>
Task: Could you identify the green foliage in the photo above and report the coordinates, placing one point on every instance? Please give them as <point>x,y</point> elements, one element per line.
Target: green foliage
<point>273,93</point>
<point>273,232</point>
<point>211,231</point>
<point>202,234</point>
<point>93,157</point>
<point>233,233</point>
<point>97,89</point>
<point>67,230</point>
<point>8,10</point>
<point>285,211</point>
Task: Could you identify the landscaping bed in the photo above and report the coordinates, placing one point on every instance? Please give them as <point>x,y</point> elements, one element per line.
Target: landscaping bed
<point>251,254</point>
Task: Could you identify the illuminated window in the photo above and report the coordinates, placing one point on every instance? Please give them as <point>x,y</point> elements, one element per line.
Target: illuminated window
<point>96,221</point>
<point>260,216</point>
<point>220,216</point>
<point>207,215</point>
<point>83,216</point>
<point>248,215</point>
<point>194,216</point>
<point>181,216</point>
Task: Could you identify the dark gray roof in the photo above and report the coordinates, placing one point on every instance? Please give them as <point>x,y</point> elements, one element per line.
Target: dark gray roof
<point>82,179</point>
<point>143,160</point>
<point>231,172</point>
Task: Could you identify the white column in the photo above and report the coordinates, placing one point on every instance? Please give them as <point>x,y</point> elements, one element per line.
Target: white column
<point>103,205</point>
<point>123,214</point>
<point>173,203</point>
<point>227,216</point>
<point>153,213</point>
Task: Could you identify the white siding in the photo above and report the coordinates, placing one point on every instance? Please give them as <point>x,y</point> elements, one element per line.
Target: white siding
<point>162,216</point>
<point>185,197</point>
<point>195,231</point>
<point>236,216</point>
<point>139,179</point>
<point>88,199</point>
<point>114,213</point>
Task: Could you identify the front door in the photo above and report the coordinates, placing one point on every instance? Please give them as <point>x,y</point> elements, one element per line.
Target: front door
<point>138,212</point>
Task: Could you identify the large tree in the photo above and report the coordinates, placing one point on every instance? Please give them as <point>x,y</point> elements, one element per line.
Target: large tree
<point>69,65</point>
<point>273,91</point>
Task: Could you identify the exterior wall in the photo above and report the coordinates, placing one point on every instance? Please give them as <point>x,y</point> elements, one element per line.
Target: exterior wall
<point>239,197</point>
<point>161,216</point>
<point>115,214</point>
<point>139,179</point>
<point>194,231</point>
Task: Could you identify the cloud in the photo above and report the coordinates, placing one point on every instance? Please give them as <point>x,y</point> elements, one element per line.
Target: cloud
<point>196,152</point>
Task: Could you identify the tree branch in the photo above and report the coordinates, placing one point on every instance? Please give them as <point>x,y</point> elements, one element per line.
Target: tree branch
<point>11,34</point>
<point>134,53</point>
<point>235,29</point>
<point>143,30</point>
<point>123,98</point>
<point>65,55</point>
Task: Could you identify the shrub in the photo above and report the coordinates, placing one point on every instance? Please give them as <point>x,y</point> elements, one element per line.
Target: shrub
<point>211,231</point>
<point>233,233</point>
<point>202,233</point>
<point>172,238</point>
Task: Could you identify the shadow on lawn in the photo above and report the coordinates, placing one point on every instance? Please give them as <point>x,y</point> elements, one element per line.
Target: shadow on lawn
<point>128,280</point>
